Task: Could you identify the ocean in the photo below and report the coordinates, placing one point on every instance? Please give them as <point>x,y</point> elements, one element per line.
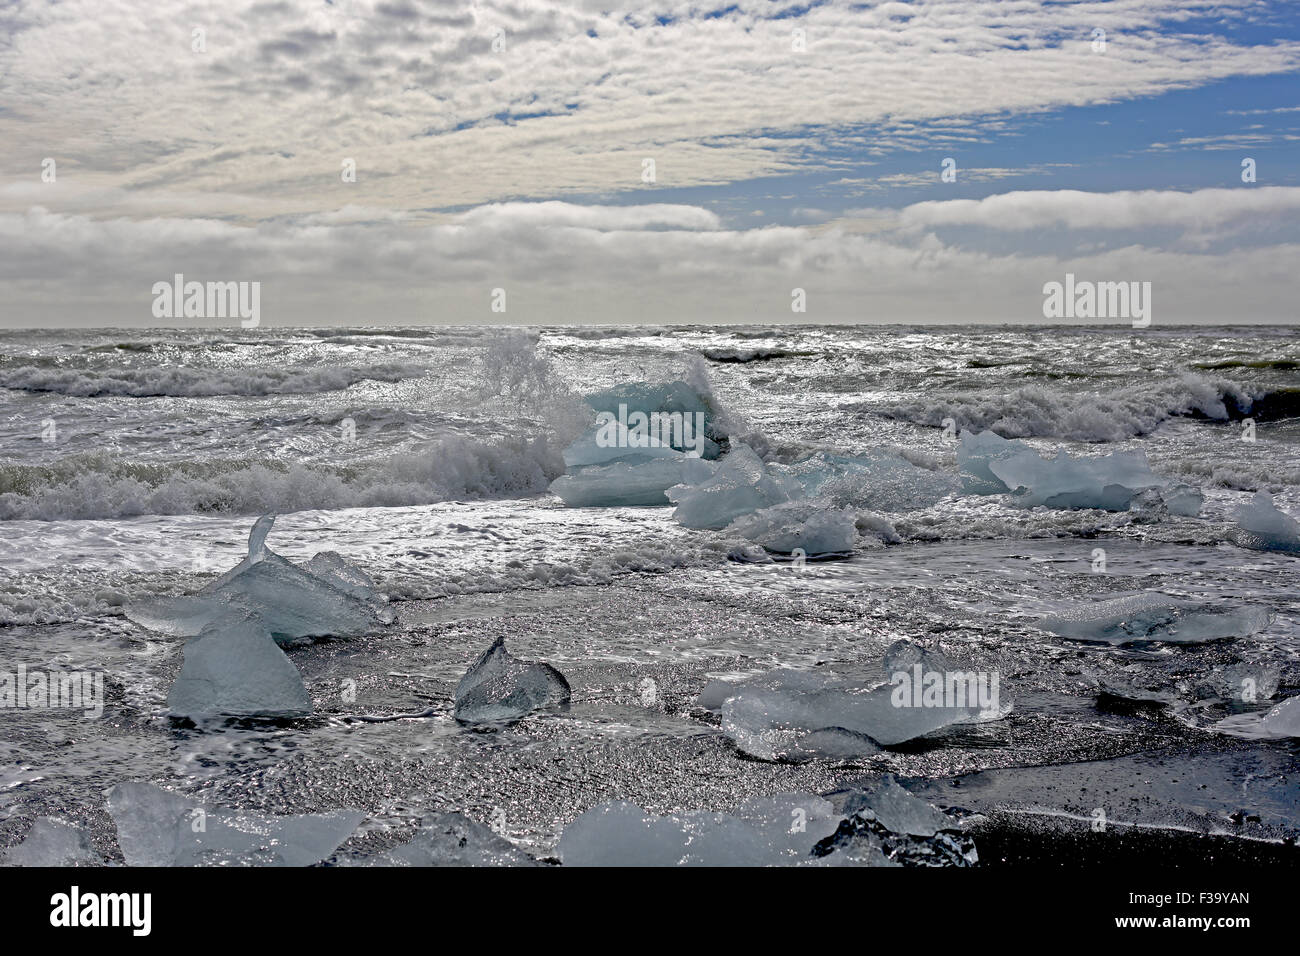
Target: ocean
<point>135,462</point>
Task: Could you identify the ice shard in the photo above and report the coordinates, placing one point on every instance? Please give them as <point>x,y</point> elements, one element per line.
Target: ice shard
<point>234,668</point>
<point>1157,617</point>
<point>156,827</point>
<point>499,688</point>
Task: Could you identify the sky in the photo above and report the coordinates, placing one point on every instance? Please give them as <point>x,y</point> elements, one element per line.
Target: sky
<point>416,162</point>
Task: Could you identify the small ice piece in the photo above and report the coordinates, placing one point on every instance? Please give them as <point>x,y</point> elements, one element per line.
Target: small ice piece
<point>903,655</point>
<point>741,485</point>
<point>234,668</point>
<point>1183,500</point>
<point>327,597</point>
<point>621,484</point>
<point>799,525</point>
<point>1283,721</point>
<point>499,688</point>
<point>1156,617</point>
<point>53,842</point>
<point>450,839</point>
<point>1263,526</point>
<point>156,827</point>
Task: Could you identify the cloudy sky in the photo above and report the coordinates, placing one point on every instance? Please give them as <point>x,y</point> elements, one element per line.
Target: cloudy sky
<point>668,162</point>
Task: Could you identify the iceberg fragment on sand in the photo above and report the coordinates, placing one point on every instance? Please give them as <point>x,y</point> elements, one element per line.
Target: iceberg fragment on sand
<point>1283,721</point>
<point>53,842</point>
<point>886,825</point>
<point>769,831</point>
<point>1156,617</point>
<point>798,715</point>
<point>234,668</point>
<point>158,828</point>
<point>327,597</point>
<point>990,464</point>
<point>1265,527</point>
<point>449,839</point>
<point>882,825</point>
<point>499,688</point>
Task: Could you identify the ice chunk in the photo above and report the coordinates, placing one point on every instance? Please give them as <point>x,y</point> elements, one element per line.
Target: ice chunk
<point>450,839</point>
<point>675,402</point>
<point>977,452</point>
<point>742,484</point>
<point>804,525</point>
<point>1265,527</point>
<point>792,715</point>
<point>234,668</point>
<point>764,831</point>
<point>499,688</point>
<point>605,445</point>
<point>1245,682</point>
<point>990,464</point>
<point>1156,617</point>
<point>879,480</point>
<point>886,820</point>
<point>1281,722</point>
<point>328,597</point>
<point>628,485</point>
<point>156,827</point>
<point>1108,482</point>
<point>53,842</point>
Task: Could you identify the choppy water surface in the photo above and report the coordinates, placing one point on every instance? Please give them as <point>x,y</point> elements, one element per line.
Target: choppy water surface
<point>133,463</point>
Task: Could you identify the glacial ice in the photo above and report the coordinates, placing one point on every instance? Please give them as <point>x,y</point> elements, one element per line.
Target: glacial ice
<point>768,831</point>
<point>883,825</point>
<point>976,452</point>
<point>886,825</point>
<point>158,828</point>
<point>805,525</point>
<point>647,398</point>
<point>798,715</point>
<point>1156,617</point>
<point>741,485</point>
<point>625,484</point>
<point>234,668</point>
<point>1283,721</point>
<point>1246,682</point>
<point>879,480</point>
<point>499,688</point>
<point>990,464</point>
<point>449,839</point>
<point>1265,527</point>
<point>53,842</point>
<point>327,597</point>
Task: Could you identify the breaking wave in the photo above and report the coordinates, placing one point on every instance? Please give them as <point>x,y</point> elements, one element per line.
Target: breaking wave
<point>103,485</point>
<point>181,381</point>
<point>1039,411</point>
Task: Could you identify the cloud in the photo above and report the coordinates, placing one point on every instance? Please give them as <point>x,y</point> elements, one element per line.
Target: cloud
<point>561,263</point>
<point>568,101</point>
<point>1076,209</point>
